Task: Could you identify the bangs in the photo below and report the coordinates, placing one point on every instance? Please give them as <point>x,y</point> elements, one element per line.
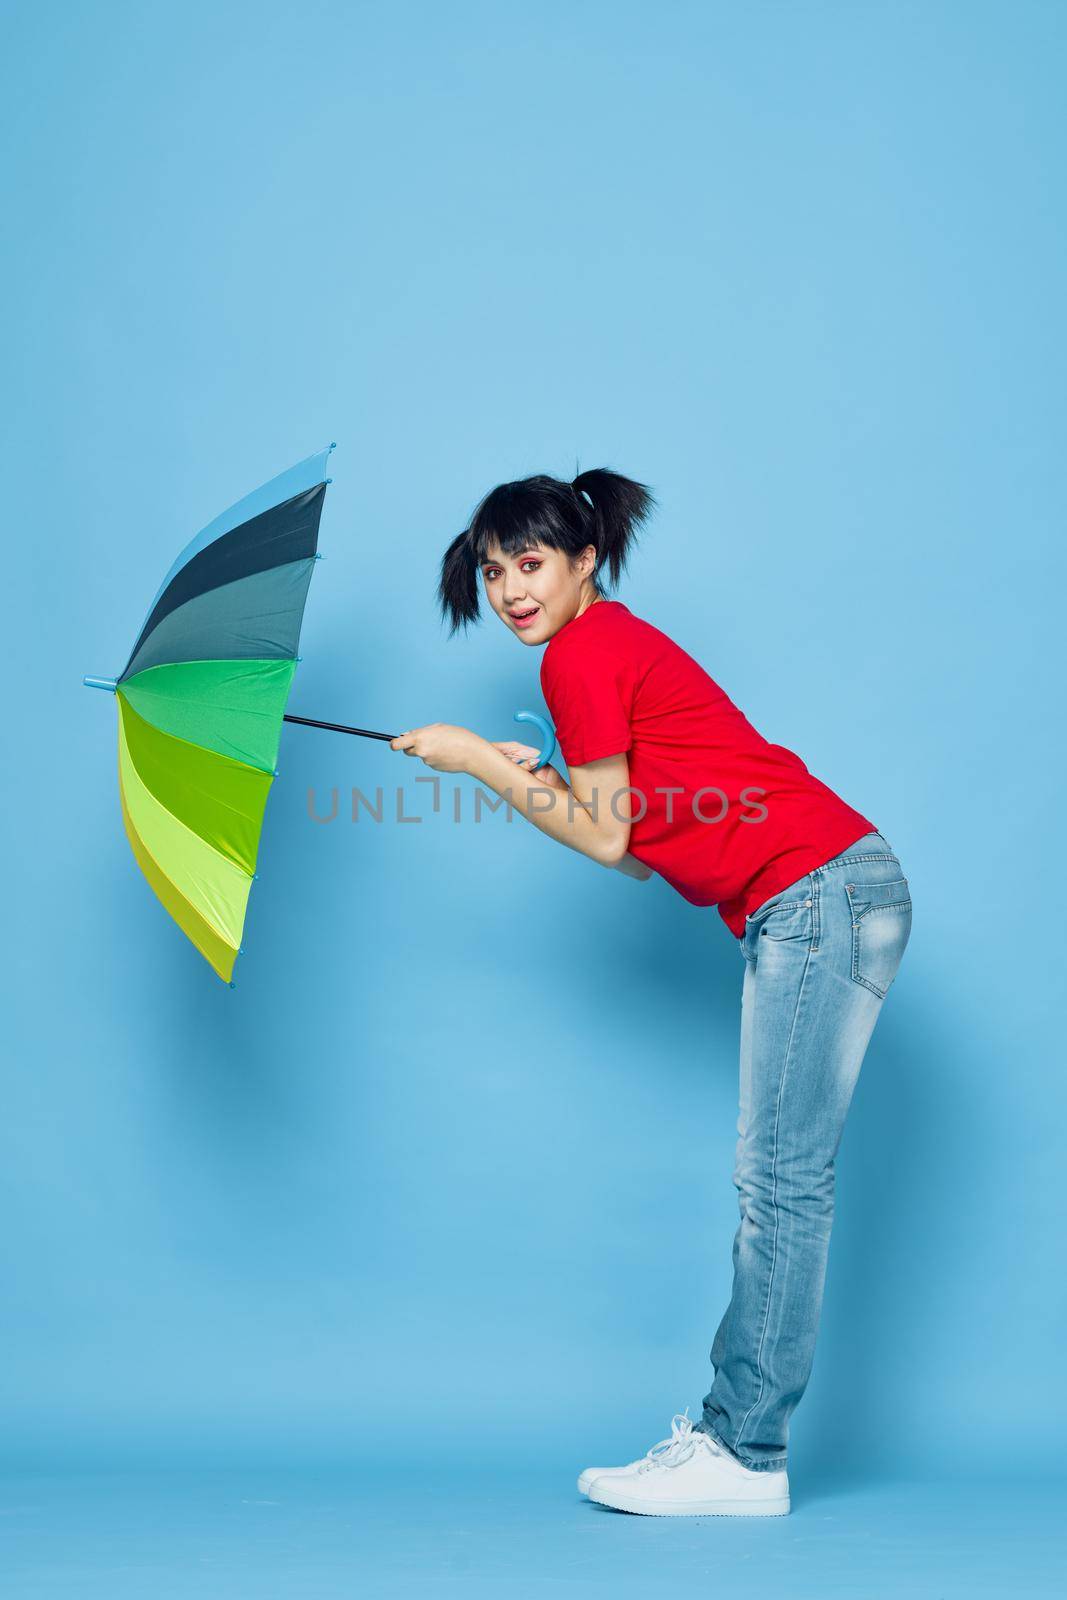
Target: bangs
<point>535,511</point>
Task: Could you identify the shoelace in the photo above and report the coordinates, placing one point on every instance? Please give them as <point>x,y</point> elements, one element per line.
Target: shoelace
<point>680,1446</point>
<point>679,1422</point>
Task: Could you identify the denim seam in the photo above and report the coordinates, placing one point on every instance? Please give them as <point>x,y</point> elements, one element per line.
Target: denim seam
<point>774,1202</point>
<point>815,925</point>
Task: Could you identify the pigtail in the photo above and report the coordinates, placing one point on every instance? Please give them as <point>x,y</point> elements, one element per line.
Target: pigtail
<point>457,588</point>
<point>619,506</point>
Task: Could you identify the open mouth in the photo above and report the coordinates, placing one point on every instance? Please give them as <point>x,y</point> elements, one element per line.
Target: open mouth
<point>525,615</point>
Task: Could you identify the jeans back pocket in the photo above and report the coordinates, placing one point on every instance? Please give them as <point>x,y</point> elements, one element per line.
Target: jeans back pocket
<point>881,927</point>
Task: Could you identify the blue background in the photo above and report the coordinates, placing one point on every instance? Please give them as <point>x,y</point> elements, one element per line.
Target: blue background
<point>446,1178</point>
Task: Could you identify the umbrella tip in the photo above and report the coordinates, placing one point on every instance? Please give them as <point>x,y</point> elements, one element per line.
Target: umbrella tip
<point>101,683</point>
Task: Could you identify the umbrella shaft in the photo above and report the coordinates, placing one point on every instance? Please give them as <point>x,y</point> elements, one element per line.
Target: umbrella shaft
<point>338,727</point>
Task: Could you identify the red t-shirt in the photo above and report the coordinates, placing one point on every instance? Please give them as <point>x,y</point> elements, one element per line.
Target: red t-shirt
<point>746,817</point>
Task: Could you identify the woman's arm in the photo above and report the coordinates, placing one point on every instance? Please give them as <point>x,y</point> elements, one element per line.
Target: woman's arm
<point>591,816</point>
<point>525,755</point>
<point>580,815</point>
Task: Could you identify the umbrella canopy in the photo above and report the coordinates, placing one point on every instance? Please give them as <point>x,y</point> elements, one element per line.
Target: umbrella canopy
<point>202,699</point>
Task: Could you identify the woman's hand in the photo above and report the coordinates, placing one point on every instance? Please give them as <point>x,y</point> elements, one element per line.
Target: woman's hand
<point>441,745</point>
<point>524,755</point>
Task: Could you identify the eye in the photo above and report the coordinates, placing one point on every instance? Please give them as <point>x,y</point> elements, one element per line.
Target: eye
<point>530,561</point>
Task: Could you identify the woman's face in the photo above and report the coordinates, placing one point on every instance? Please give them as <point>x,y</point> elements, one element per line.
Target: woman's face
<point>544,582</point>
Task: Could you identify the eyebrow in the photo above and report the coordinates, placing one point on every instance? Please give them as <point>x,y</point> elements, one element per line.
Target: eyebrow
<point>530,550</point>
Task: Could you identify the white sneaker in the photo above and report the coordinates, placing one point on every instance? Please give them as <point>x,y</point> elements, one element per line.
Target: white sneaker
<point>586,1479</point>
<point>693,1477</point>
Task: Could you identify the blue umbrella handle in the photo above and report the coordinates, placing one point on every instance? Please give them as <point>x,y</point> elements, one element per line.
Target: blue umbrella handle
<point>548,737</point>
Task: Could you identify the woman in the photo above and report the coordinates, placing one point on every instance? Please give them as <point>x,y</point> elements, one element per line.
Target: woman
<point>665,774</point>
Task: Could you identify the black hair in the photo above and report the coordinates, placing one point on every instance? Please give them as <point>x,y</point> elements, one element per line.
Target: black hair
<point>599,507</point>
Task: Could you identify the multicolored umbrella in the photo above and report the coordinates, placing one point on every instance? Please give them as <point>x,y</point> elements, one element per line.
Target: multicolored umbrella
<point>202,700</point>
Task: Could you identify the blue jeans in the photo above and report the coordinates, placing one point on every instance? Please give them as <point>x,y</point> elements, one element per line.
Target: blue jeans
<point>819,959</point>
